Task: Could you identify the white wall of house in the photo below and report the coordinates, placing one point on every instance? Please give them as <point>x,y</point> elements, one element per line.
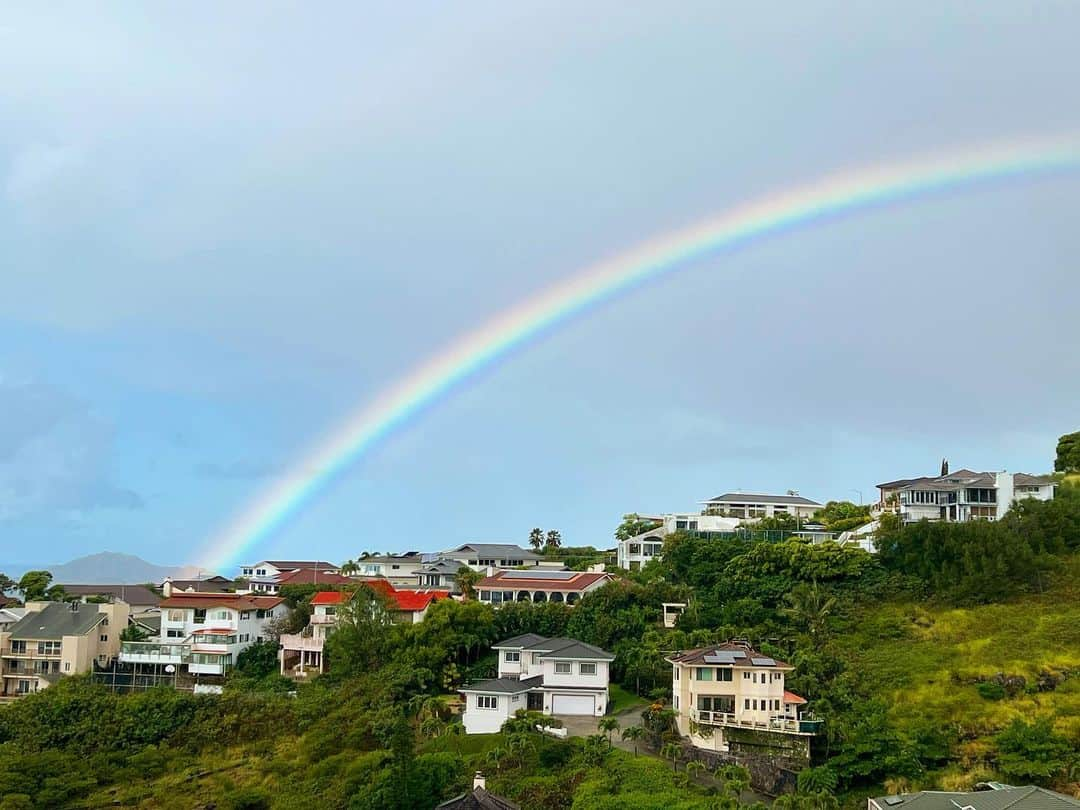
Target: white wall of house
<point>486,720</point>
<point>567,672</point>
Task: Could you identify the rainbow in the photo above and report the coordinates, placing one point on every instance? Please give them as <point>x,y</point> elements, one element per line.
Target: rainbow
<point>823,200</point>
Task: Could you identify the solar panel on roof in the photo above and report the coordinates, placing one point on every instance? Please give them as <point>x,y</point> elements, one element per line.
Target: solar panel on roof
<point>539,574</point>
<point>763,662</point>
<point>720,657</point>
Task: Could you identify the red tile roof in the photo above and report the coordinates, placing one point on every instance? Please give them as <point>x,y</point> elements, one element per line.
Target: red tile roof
<point>404,600</point>
<point>517,582</point>
<point>236,601</point>
<point>791,697</point>
<point>309,576</point>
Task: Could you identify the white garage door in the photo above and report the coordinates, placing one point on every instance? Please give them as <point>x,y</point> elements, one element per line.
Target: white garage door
<point>573,704</point>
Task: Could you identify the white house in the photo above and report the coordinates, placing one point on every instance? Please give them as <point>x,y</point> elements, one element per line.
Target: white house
<point>962,495</point>
<point>400,569</point>
<point>263,576</point>
<point>481,556</point>
<point>555,676</point>
<point>720,689</point>
<point>635,552</point>
<point>749,506</point>
<point>536,585</point>
<point>205,632</point>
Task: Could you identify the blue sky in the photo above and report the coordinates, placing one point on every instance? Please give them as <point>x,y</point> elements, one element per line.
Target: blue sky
<point>223,230</point>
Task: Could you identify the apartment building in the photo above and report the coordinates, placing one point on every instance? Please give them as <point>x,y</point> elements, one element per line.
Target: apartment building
<point>54,639</point>
<point>555,676</point>
<point>723,691</point>
<point>962,495</point>
<point>537,585</point>
<point>202,633</point>
<point>138,597</point>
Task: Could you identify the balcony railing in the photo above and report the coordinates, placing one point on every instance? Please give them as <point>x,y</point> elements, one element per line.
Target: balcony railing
<point>776,723</point>
<point>30,653</point>
<point>154,652</point>
<point>318,619</point>
<point>299,641</point>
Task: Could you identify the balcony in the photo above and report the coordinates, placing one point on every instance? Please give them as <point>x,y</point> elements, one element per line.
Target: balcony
<point>300,641</point>
<point>151,652</point>
<point>318,619</point>
<point>30,653</point>
<point>782,723</point>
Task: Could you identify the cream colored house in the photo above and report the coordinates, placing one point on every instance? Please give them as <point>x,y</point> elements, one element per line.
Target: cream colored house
<point>55,639</point>
<point>724,691</point>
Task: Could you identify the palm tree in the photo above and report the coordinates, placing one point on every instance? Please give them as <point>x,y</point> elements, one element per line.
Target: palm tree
<point>554,539</point>
<point>349,567</point>
<point>694,768</point>
<point>431,727</point>
<point>495,756</point>
<point>671,751</point>
<point>809,606</point>
<point>733,778</point>
<point>634,733</point>
<point>610,725</point>
<point>465,581</point>
<point>536,538</point>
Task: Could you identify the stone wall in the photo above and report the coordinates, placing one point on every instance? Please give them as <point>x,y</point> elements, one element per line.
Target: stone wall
<point>770,773</point>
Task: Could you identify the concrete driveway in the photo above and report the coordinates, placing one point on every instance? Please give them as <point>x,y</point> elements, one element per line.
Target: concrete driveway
<point>578,725</point>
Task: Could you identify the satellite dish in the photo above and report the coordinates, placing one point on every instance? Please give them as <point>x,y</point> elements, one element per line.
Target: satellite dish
<point>170,668</point>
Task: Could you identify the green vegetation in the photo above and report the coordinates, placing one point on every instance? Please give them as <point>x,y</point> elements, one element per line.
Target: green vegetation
<point>951,657</point>
<point>1068,453</point>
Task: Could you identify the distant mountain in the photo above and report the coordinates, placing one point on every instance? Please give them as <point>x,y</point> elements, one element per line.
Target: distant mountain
<point>113,568</point>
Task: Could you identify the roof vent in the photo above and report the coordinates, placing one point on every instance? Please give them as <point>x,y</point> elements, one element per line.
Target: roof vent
<point>892,801</point>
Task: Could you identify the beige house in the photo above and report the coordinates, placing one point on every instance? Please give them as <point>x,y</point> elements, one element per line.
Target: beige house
<point>730,695</point>
<point>55,639</point>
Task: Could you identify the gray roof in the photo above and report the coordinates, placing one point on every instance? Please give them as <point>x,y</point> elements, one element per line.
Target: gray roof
<point>479,799</point>
<point>1013,798</point>
<point>570,648</point>
<point>151,621</point>
<point>520,642</point>
<point>132,594</point>
<point>505,686</point>
<point>441,566</point>
<point>56,620</point>
<point>963,478</point>
<point>746,497</point>
<point>499,551</point>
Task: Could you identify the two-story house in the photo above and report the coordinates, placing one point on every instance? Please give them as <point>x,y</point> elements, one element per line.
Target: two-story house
<point>750,506</point>
<point>400,569</point>
<point>556,676</point>
<point>962,495</point>
<point>482,556</point>
<point>203,633</point>
<point>302,652</point>
<point>537,585</point>
<point>635,552</point>
<point>723,691</point>
<point>263,576</point>
<point>54,639</point>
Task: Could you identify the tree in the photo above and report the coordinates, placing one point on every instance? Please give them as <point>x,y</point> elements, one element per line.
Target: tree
<point>536,538</point>
<point>810,607</point>
<point>258,660</point>
<point>633,733</point>
<point>733,779</point>
<point>465,581</point>
<point>7,584</point>
<point>1032,752</point>
<point>553,539</point>
<point>34,584</point>
<point>632,525</point>
<point>349,567</point>
<point>359,641</point>
<point>134,632</point>
<point>609,725</point>
<point>672,751</point>
<point>1068,453</point>
<point>694,768</point>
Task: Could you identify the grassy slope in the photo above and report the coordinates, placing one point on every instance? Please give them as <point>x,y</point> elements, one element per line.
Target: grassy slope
<point>924,661</point>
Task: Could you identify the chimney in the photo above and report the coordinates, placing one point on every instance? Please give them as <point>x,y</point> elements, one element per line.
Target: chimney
<point>479,781</point>
<point>166,588</point>
<point>944,466</point>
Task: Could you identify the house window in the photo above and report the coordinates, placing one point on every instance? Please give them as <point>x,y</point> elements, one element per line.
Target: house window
<point>487,562</point>
<point>222,615</point>
<point>716,703</point>
<point>562,667</point>
<point>261,572</point>
<point>485,596</point>
<point>676,673</point>
<point>746,705</point>
<point>18,647</point>
<point>680,524</point>
<point>103,638</point>
<point>746,676</point>
<point>692,525</point>
<point>176,615</point>
<point>723,674</point>
<point>704,673</point>
<point>67,666</point>
<point>514,563</point>
<point>200,616</point>
<point>511,657</point>
<point>587,669</point>
<point>245,614</point>
<point>635,548</point>
<point>676,702</point>
<point>247,572</point>
<point>487,702</point>
<point>48,648</point>
<point>105,622</point>
<point>173,633</point>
